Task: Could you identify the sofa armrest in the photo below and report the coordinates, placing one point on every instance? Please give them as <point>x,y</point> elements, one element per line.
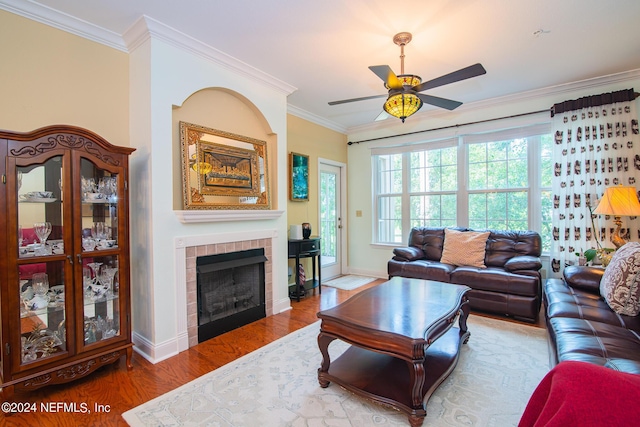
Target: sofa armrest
<point>523,262</point>
<point>409,253</point>
<point>583,277</point>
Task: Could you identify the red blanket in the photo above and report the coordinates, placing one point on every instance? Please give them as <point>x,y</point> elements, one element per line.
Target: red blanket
<point>583,394</point>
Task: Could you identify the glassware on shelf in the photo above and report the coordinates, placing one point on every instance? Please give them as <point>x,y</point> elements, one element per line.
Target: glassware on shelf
<point>88,185</point>
<point>96,289</point>
<point>106,278</point>
<point>42,230</point>
<point>95,268</point>
<point>40,286</point>
<point>100,231</point>
<point>40,283</point>
<point>39,344</point>
<point>88,243</point>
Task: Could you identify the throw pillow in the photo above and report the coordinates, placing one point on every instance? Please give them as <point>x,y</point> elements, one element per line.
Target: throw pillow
<point>620,284</point>
<point>464,247</point>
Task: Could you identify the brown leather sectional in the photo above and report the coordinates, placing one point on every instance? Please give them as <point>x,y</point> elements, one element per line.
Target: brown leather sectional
<point>583,328</point>
<point>510,285</point>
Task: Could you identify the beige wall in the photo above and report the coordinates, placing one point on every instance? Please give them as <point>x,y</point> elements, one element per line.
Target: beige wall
<point>226,111</point>
<point>48,76</point>
<point>317,142</point>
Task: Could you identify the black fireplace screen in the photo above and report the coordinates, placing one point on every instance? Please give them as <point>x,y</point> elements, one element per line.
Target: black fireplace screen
<point>231,291</point>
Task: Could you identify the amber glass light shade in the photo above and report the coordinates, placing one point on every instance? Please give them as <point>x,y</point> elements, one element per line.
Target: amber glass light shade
<point>202,168</point>
<point>402,105</point>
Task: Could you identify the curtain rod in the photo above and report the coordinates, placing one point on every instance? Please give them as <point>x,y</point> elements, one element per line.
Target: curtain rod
<point>449,127</point>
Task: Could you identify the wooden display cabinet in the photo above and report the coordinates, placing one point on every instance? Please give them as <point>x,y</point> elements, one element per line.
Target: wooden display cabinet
<point>64,280</point>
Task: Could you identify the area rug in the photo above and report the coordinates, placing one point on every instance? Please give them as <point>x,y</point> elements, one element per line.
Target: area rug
<point>349,283</point>
<point>277,386</point>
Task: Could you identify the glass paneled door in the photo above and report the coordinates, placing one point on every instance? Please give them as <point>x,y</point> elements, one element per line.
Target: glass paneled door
<point>100,253</point>
<point>330,220</point>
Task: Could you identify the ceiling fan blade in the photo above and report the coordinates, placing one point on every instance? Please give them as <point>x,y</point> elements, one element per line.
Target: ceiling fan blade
<point>364,98</point>
<point>462,74</point>
<point>382,116</point>
<point>439,102</point>
<point>387,75</point>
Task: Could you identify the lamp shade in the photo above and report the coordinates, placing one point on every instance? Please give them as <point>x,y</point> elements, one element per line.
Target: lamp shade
<point>619,201</point>
<point>402,105</point>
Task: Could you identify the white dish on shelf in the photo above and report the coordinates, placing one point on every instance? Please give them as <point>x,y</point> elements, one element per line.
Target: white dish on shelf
<point>98,201</point>
<point>38,302</point>
<point>37,199</point>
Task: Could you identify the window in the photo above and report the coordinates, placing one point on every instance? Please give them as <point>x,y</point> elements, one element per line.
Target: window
<point>433,186</point>
<point>499,180</point>
<point>498,185</point>
<point>389,190</point>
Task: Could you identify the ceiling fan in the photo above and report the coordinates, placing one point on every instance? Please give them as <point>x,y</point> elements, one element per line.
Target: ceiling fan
<point>404,98</point>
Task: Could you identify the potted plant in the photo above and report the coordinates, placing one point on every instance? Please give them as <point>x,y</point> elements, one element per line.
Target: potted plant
<point>603,255</point>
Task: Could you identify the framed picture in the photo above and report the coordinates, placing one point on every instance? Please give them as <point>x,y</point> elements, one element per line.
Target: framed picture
<point>298,177</point>
<point>222,170</point>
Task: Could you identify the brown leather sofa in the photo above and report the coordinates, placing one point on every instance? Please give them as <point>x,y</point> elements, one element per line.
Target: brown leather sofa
<point>583,328</point>
<point>510,285</point>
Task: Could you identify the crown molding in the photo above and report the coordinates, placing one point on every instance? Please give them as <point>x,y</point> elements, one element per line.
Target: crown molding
<point>556,90</point>
<point>62,21</point>
<point>303,114</point>
<point>140,31</point>
<point>146,27</point>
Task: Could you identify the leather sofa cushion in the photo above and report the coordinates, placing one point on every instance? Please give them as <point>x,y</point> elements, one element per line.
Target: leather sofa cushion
<point>620,284</point>
<point>410,253</point>
<point>523,262</point>
<point>421,269</point>
<point>496,280</point>
<point>585,278</point>
<point>598,343</point>
<point>564,301</point>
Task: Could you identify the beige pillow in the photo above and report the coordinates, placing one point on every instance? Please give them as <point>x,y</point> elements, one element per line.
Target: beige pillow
<point>620,284</point>
<point>464,247</point>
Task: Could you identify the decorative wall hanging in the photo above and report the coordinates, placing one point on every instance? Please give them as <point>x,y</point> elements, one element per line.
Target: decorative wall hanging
<point>298,177</point>
<point>222,170</point>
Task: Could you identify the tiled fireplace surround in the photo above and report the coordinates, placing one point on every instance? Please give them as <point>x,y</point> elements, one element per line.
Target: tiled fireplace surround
<point>187,249</point>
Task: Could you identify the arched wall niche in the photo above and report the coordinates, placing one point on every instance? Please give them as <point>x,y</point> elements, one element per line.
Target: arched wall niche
<point>228,111</point>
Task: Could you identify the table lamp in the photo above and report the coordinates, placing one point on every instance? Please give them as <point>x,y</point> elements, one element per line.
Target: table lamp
<point>619,201</point>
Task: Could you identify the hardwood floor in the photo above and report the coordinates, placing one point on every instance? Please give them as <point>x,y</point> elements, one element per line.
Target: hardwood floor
<point>119,390</point>
<point>122,390</point>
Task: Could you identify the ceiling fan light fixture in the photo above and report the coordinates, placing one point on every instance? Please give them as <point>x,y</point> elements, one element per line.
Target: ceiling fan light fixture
<point>409,80</point>
<point>402,105</point>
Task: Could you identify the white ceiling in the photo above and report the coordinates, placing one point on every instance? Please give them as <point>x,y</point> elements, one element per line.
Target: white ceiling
<point>323,47</point>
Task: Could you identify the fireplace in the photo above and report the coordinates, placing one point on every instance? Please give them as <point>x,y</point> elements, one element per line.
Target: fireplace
<point>230,291</point>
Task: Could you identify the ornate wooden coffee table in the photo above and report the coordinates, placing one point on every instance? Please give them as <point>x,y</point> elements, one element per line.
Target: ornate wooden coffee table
<point>403,343</point>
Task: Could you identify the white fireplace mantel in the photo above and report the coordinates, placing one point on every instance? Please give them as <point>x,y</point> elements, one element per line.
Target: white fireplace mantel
<point>195,216</point>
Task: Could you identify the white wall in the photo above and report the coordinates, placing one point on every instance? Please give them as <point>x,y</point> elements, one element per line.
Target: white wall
<point>366,258</point>
<point>166,69</point>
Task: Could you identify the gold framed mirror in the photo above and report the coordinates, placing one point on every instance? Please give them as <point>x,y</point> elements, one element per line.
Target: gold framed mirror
<point>222,170</point>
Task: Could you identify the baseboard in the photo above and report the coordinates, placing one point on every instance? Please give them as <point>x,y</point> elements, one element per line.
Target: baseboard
<point>368,273</point>
<point>155,353</point>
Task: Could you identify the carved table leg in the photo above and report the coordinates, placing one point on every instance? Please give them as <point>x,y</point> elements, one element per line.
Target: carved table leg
<point>415,421</point>
<point>464,314</point>
<point>323,343</point>
<point>128,359</point>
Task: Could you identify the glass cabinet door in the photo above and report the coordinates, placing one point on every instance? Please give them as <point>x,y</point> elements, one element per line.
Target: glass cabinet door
<point>42,265</point>
<point>99,190</point>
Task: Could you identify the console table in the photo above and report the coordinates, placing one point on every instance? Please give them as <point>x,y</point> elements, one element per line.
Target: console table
<point>305,248</point>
